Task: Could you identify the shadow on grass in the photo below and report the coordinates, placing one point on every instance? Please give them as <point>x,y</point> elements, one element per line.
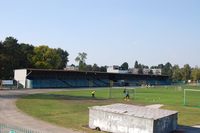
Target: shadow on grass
<point>188,129</point>
<point>12,96</point>
<point>60,97</point>
<point>193,106</point>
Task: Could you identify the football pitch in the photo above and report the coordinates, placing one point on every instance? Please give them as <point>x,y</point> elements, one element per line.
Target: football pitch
<point>69,108</point>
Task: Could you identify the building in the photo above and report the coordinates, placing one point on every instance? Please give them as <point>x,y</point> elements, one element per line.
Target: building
<point>122,118</point>
<point>71,68</point>
<point>49,78</point>
<point>152,71</point>
<point>146,71</point>
<point>116,69</point>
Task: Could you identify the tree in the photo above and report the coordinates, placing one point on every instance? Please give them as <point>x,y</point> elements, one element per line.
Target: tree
<point>1,60</point>
<point>144,66</point>
<point>64,57</point>
<point>72,65</point>
<point>160,66</point>
<point>27,52</point>
<point>139,65</point>
<point>195,74</point>
<point>46,58</point>
<point>9,57</point>
<point>167,69</point>
<point>176,73</point>
<point>1,45</point>
<point>95,68</point>
<point>81,59</point>
<point>136,64</point>
<point>154,67</point>
<point>186,72</point>
<point>150,72</point>
<point>124,66</point>
<point>89,68</point>
<point>14,56</point>
<point>103,69</point>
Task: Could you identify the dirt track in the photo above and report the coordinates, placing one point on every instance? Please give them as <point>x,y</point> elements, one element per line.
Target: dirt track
<point>11,115</point>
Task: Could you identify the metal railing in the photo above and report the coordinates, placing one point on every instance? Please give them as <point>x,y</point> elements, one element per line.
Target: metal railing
<point>5,128</point>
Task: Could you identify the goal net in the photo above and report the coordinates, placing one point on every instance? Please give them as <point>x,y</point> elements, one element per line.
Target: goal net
<point>191,97</point>
<point>121,92</point>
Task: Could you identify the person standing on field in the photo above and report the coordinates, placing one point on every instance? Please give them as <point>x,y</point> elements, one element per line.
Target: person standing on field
<point>93,94</point>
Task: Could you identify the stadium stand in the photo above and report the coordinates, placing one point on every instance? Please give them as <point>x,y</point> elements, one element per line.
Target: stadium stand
<point>45,78</point>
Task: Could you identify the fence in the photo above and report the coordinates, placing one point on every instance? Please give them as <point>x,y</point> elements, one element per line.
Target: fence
<point>4,128</point>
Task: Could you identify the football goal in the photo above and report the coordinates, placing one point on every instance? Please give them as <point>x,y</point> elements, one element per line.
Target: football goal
<point>191,97</point>
<point>122,92</point>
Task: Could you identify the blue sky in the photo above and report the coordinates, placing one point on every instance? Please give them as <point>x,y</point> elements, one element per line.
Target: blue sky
<point>109,31</point>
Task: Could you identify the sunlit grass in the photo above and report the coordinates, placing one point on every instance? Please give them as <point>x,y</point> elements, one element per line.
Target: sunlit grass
<point>70,108</point>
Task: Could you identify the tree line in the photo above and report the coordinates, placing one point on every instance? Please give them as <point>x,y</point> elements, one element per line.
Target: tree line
<point>175,72</point>
<point>81,59</point>
<point>14,55</point>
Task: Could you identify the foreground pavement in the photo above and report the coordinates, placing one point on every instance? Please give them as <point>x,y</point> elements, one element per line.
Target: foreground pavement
<point>11,115</point>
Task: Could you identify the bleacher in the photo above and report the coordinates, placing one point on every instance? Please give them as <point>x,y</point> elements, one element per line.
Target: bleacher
<point>76,79</point>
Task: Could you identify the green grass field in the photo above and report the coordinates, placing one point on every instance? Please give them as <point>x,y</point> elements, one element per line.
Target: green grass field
<point>70,108</point>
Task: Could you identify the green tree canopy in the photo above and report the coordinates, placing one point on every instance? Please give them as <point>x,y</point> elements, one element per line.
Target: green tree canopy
<point>9,57</point>
<point>124,66</point>
<point>150,72</point>
<point>176,75</point>
<point>136,64</point>
<point>46,58</point>
<point>103,69</point>
<point>14,56</point>
<point>81,60</point>
<point>195,74</point>
<point>89,68</point>
<point>166,69</point>
<point>27,52</point>
<point>186,72</point>
<point>95,67</point>
<point>64,57</point>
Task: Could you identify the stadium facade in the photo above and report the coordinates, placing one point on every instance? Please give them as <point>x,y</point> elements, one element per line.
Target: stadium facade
<point>48,78</point>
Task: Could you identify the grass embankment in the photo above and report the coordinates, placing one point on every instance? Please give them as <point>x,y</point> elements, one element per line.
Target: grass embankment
<point>70,108</point>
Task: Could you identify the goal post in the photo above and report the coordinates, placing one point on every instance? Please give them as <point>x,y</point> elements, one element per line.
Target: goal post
<point>121,92</point>
<point>191,97</point>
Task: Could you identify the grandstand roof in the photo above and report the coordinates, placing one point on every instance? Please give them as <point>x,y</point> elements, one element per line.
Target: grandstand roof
<point>94,72</point>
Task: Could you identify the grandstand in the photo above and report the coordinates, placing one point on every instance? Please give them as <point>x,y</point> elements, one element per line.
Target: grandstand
<point>48,78</point>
